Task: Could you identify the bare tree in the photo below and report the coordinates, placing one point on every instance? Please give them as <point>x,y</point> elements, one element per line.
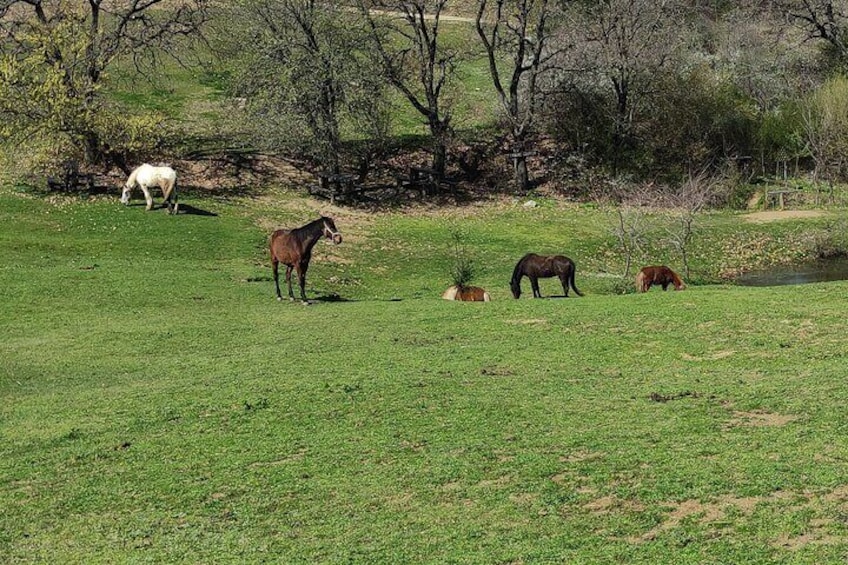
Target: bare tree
<point>824,20</point>
<point>303,68</point>
<point>682,208</point>
<point>629,206</point>
<point>627,42</point>
<point>66,47</point>
<point>406,36</point>
<point>517,37</point>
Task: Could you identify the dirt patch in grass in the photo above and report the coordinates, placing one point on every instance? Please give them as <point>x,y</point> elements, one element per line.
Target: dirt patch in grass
<point>760,419</point>
<point>610,503</point>
<point>581,455</point>
<point>709,357</point>
<point>718,512</point>
<point>777,215</point>
<point>704,512</point>
<point>528,322</point>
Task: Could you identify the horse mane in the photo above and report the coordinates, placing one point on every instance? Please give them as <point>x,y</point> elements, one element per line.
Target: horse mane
<point>310,227</point>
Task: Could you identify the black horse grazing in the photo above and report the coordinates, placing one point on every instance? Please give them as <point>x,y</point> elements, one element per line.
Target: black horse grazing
<point>293,248</point>
<point>541,266</point>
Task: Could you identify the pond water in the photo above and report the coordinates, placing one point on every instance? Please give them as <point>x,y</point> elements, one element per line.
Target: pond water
<point>818,271</point>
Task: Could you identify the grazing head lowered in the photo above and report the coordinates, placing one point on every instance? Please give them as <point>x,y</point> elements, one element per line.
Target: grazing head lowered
<point>535,267</point>
<point>658,275</point>
<point>146,176</point>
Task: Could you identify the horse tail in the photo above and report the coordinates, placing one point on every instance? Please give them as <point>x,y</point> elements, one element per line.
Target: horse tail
<point>174,195</point>
<point>571,281</point>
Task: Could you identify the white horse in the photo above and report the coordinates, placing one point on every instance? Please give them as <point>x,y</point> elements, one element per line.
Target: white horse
<point>146,176</point>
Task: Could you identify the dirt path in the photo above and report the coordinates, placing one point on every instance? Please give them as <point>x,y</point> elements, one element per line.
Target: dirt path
<point>777,215</point>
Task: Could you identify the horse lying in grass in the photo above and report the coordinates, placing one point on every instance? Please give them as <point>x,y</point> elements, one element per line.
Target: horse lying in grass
<point>535,267</point>
<point>658,275</point>
<point>293,248</point>
<point>466,294</point>
<point>147,176</point>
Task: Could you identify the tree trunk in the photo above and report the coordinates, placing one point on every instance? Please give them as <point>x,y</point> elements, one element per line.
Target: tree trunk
<point>522,177</point>
<point>439,131</point>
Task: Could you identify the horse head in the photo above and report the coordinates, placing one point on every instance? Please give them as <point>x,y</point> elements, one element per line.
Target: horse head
<point>125,194</point>
<point>330,231</point>
<point>515,287</point>
<point>128,186</point>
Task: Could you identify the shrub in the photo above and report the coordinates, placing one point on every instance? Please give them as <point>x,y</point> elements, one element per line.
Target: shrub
<point>462,269</point>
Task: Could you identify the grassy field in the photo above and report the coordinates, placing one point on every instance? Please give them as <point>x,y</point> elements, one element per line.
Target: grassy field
<point>159,406</point>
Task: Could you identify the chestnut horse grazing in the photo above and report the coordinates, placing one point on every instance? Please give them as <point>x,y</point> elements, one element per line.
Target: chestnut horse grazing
<point>293,248</point>
<point>466,294</point>
<point>535,267</point>
<point>658,274</point>
<point>146,176</point>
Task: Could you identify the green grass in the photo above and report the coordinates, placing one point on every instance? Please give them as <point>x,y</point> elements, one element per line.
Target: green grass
<point>160,406</point>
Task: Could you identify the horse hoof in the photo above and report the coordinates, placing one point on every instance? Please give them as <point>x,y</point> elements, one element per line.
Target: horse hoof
<point>279,299</point>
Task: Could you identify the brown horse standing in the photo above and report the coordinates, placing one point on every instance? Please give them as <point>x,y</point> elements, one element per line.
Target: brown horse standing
<point>540,266</point>
<point>658,274</point>
<point>466,294</point>
<point>293,248</point>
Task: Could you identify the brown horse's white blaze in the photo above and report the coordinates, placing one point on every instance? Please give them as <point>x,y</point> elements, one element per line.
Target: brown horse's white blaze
<point>146,176</point>
<point>658,275</point>
<point>293,248</point>
<point>466,294</point>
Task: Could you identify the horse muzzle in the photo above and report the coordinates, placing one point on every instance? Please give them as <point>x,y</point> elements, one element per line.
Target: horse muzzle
<point>337,238</point>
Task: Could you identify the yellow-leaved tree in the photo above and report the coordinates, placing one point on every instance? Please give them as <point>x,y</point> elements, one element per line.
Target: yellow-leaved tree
<point>54,57</point>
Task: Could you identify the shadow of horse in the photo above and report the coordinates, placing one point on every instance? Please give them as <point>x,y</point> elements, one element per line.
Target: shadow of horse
<point>331,297</point>
<point>189,209</point>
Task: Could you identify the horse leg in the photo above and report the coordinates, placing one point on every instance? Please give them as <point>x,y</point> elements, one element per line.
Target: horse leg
<point>275,266</point>
<point>564,280</point>
<point>147,196</point>
<point>301,278</point>
<point>288,281</point>
<point>534,282</point>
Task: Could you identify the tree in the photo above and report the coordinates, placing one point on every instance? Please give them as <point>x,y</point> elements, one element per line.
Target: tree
<point>626,43</point>
<point>56,53</point>
<point>682,208</point>
<point>304,69</point>
<point>405,34</point>
<point>823,20</point>
<point>825,126</point>
<point>628,205</point>
<point>519,33</point>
